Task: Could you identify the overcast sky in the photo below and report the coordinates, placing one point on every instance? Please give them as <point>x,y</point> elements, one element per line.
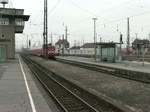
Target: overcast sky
<point>77,15</point>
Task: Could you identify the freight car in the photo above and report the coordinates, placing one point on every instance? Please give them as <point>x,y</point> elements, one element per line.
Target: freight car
<point>39,51</point>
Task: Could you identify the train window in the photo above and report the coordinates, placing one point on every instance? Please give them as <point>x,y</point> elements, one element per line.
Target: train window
<point>51,48</point>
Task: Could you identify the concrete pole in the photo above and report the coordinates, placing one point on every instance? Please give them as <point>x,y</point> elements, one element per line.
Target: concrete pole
<point>51,39</point>
<point>143,56</point>
<point>128,35</point>
<point>63,46</point>
<point>66,33</point>
<point>94,38</point>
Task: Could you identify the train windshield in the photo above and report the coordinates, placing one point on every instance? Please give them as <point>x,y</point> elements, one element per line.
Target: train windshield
<point>51,48</point>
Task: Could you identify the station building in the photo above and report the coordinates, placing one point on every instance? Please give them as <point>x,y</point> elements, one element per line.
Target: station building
<point>11,21</point>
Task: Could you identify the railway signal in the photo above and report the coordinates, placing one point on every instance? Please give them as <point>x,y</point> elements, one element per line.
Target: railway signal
<point>121,42</point>
<point>121,39</point>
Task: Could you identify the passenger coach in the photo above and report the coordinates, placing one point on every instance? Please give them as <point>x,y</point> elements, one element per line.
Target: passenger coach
<point>40,49</point>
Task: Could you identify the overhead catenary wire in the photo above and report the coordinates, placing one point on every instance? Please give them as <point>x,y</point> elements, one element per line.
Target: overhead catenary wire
<point>97,15</point>
<point>147,12</point>
<point>92,14</point>
<point>85,10</point>
<point>116,6</point>
<point>55,6</point>
<point>113,21</point>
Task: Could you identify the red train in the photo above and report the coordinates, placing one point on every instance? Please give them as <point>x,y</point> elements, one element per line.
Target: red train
<point>40,49</point>
<point>124,51</point>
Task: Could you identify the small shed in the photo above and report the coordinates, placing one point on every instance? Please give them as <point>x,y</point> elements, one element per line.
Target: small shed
<point>108,52</point>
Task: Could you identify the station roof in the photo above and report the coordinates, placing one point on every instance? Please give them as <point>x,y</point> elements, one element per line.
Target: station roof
<point>107,44</point>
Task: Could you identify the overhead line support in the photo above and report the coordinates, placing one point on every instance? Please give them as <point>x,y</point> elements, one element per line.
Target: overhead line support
<point>45,32</point>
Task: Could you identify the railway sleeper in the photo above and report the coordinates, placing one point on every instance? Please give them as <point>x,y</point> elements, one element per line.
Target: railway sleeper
<point>69,99</point>
<point>75,108</point>
<point>79,109</point>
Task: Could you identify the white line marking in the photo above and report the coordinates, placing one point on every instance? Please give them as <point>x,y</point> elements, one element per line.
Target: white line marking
<point>28,90</point>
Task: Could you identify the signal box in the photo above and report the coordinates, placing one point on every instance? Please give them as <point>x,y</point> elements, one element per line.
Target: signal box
<point>11,21</point>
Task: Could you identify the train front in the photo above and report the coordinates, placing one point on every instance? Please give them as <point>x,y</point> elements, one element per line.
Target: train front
<point>51,52</point>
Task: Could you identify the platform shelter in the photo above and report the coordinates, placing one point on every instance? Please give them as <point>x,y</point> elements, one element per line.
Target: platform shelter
<point>108,52</point>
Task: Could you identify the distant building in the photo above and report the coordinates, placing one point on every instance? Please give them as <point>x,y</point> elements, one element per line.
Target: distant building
<point>87,49</point>
<point>138,44</point>
<point>75,50</point>
<point>62,47</point>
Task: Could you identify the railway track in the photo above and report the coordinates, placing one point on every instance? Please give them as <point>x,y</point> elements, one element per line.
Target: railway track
<point>68,96</point>
<point>124,73</point>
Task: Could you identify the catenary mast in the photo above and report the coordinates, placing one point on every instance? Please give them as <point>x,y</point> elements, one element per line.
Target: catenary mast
<point>45,33</point>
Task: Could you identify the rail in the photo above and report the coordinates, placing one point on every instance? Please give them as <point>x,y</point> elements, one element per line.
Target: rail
<point>70,97</point>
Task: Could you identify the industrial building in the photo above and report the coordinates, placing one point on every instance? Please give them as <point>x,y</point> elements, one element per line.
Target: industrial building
<point>11,21</point>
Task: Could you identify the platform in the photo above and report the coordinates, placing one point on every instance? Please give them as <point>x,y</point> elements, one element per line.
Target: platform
<point>18,91</point>
<point>128,65</point>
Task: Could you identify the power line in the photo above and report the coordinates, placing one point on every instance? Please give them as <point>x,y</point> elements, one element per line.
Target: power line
<point>117,6</point>
<point>54,7</point>
<point>48,14</point>
<point>113,21</point>
<point>140,14</point>
<point>87,11</point>
<point>109,22</point>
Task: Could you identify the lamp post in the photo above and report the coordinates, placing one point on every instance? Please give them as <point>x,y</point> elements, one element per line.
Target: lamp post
<point>94,38</point>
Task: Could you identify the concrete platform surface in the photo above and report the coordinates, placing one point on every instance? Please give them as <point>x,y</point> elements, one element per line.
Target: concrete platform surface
<point>129,65</point>
<point>14,96</point>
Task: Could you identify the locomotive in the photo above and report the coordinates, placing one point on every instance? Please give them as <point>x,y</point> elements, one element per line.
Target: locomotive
<point>40,49</point>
